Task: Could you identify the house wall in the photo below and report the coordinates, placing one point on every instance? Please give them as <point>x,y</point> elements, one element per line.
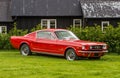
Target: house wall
<point>97,21</point>
<point>62,22</point>
<point>30,22</point>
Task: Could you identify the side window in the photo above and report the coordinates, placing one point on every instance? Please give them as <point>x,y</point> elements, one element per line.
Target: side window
<point>3,29</point>
<point>77,23</point>
<point>104,25</point>
<point>45,35</point>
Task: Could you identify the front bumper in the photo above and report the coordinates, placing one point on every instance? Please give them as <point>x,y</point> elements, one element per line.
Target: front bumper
<point>91,53</point>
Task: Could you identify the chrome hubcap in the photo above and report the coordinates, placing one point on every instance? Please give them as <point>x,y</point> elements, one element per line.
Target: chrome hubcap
<point>25,50</point>
<point>70,55</point>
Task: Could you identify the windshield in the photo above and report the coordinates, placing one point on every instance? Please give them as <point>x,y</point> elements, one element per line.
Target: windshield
<point>66,35</point>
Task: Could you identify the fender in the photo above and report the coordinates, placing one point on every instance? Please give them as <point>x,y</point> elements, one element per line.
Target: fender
<point>70,47</point>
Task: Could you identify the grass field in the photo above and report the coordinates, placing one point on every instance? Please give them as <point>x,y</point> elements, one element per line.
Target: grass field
<point>14,65</point>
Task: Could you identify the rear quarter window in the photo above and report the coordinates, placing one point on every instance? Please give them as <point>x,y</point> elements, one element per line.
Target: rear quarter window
<point>31,35</point>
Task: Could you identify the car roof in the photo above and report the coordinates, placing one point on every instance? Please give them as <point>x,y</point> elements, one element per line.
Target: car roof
<point>53,30</point>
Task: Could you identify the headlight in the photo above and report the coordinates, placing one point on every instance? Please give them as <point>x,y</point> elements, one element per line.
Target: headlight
<point>90,47</point>
<point>104,46</point>
<point>83,47</point>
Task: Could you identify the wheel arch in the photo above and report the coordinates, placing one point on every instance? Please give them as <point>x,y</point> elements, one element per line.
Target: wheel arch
<point>23,43</point>
<point>68,49</point>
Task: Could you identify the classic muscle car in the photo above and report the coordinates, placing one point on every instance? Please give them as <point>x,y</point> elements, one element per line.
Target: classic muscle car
<point>59,42</point>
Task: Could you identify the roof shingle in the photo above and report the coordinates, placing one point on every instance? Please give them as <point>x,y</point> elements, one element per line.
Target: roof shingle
<point>5,11</point>
<point>46,8</point>
<point>100,8</point>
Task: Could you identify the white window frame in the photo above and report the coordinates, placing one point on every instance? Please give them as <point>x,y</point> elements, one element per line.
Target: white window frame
<point>102,24</point>
<point>1,29</point>
<point>48,23</point>
<point>74,22</point>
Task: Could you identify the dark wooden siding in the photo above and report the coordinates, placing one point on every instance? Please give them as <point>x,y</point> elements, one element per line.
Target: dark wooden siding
<point>30,22</point>
<point>64,22</point>
<point>97,21</point>
<point>8,24</point>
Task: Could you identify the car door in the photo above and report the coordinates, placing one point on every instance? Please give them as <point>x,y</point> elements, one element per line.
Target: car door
<point>45,42</point>
<point>50,43</point>
<point>39,44</point>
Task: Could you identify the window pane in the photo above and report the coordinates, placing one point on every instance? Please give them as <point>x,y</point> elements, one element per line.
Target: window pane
<point>3,29</point>
<point>44,24</point>
<point>52,24</point>
<point>105,24</point>
<point>44,27</point>
<point>77,22</point>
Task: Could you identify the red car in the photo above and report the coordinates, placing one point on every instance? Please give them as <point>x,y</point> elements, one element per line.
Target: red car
<point>58,42</point>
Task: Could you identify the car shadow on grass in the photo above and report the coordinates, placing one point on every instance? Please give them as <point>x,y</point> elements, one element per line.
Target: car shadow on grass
<point>48,56</point>
<point>63,58</point>
<point>108,57</point>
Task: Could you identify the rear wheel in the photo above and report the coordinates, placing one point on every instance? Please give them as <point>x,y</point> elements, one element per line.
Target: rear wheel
<point>71,55</point>
<point>25,50</point>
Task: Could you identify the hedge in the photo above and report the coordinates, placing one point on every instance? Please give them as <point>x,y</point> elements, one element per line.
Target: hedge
<point>111,36</point>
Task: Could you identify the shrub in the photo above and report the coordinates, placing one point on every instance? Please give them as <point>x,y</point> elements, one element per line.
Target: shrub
<point>4,41</point>
<point>5,38</point>
<point>38,27</point>
<point>17,32</point>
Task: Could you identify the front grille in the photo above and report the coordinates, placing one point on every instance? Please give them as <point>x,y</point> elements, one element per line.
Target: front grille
<point>96,54</point>
<point>96,47</point>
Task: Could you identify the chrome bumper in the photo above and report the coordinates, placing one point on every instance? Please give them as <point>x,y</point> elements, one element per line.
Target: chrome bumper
<point>93,51</point>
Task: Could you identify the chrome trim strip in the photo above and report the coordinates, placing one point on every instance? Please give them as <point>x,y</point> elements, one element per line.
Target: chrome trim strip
<point>47,53</point>
<point>93,51</point>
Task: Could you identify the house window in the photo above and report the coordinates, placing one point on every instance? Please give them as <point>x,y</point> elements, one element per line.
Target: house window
<point>105,24</point>
<point>77,23</point>
<point>48,23</point>
<point>3,29</point>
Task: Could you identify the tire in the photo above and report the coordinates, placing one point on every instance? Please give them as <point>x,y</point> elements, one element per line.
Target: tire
<point>71,55</point>
<point>25,50</point>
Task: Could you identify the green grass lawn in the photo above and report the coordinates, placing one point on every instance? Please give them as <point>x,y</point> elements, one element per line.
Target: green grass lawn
<point>14,65</point>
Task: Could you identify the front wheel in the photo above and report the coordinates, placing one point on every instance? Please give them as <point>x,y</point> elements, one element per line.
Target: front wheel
<point>71,55</point>
<point>25,50</point>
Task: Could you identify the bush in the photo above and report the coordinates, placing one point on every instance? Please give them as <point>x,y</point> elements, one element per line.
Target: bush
<point>17,32</point>
<point>5,38</point>
<point>38,27</point>
<point>4,41</point>
<point>111,36</point>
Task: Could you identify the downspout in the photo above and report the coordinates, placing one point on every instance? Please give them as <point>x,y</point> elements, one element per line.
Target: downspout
<point>83,19</point>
